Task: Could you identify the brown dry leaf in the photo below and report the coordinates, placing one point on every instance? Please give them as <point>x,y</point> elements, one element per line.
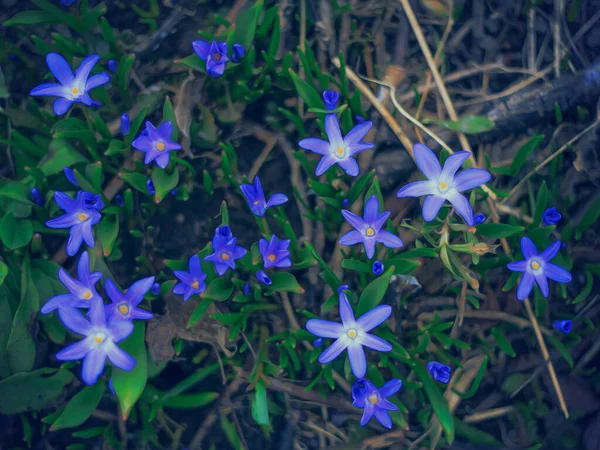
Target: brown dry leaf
<point>186,98</point>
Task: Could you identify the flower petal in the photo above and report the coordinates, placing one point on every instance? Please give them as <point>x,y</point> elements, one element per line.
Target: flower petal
<point>352,238</point>
<point>462,206</point>
<point>315,145</point>
<point>470,179</point>
<point>48,90</point>
<point>358,360</point>
<point>390,240</point>
<point>517,266</point>
<point>390,388</point>
<point>358,132</point>
<point>97,80</point>
<point>166,130</point>
<point>453,163</point>
<point>88,236</point>
<point>346,313</point>
<point>333,351</point>
<point>332,128</point>
<point>371,211</point>
<point>325,163</point>
<point>85,68</point>
<point>93,366</point>
<point>162,160</point>
<point>325,328</point>
<point>557,273</point>
<point>64,221</point>
<point>194,266</point>
<point>427,161</point>
<point>386,404</point>
<point>380,220</point>
<point>367,413</point>
<point>355,149</point>
<point>61,106</point>
<point>551,251</point>
<point>432,206</point>
<point>120,329</point>
<point>214,68</point>
<point>202,49</point>
<point>354,220</point>
<point>58,301</point>
<point>75,240</point>
<point>138,290</point>
<point>60,68</point>
<point>350,166</point>
<point>415,189</point>
<point>75,351</point>
<point>374,317</point>
<point>542,282</point>
<point>369,247</point>
<point>525,286</point>
<point>383,417</point>
<point>528,248</point>
<point>119,357</point>
<point>277,199</point>
<point>74,321</point>
<point>375,343</point>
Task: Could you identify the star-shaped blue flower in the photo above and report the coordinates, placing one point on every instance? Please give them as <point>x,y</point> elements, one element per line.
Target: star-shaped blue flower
<point>71,87</point>
<point>215,55</point>
<point>537,267</point>
<point>124,305</point>
<point>339,150</point>
<point>225,250</point>
<point>256,198</point>
<point>369,229</point>
<point>374,401</point>
<point>192,282</point>
<point>275,252</point>
<point>444,184</point>
<point>79,218</point>
<point>156,143</point>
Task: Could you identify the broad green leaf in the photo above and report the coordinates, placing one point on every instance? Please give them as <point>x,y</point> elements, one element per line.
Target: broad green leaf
<point>374,292</point>
<point>32,18</point>
<point>219,290</point>
<point>32,391</point>
<point>260,408</point>
<point>403,266</point>
<point>107,232</point>
<point>284,282</point>
<point>136,180</point>
<point>17,191</point>
<point>513,382</point>
<point>64,156</point>
<point>245,26</point>
<point>528,148</point>
<point>359,266</point>
<point>164,183</point>
<point>359,185</point>
<point>3,272</point>
<point>498,230</point>
<point>199,312</point>
<point>194,62</point>
<point>15,233</point>
<point>80,407</point>
<point>129,385</point>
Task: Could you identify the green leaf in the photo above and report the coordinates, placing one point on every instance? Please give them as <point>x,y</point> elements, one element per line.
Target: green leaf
<point>3,272</point>
<point>124,72</point>
<point>129,385</point>
<point>374,292</point>
<point>359,266</point>
<point>403,266</point>
<point>260,408</point>
<point>107,232</point>
<point>498,230</point>
<point>32,18</point>
<point>80,407</point>
<point>591,216</point>
<point>540,204</point>
<point>136,180</point>
<point>359,185</point>
<point>284,282</point>
<point>307,92</point>
<point>169,116</point>
<point>513,382</point>
<point>245,26</point>
<point>16,191</point>
<point>589,284</point>
<point>219,290</point>
<point>65,156</point>
<point>32,391</point>
<point>437,400</point>
<point>191,401</point>
<point>164,183</point>
<point>502,342</point>
<point>194,62</point>
<point>564,351</point>
<point>467,125</point>
<point>15,233</point>
<point>199,312</point>
<point>528,148</point>
<point>476,381</point>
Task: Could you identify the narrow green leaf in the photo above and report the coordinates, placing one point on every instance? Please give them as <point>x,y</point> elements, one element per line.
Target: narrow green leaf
<point>467,125</point>
<point>191,401</point>
<point>124,71</point>
<point>527,148</point>
<point>260,408</point>
<point>245,26</point>
<point>107,232</point>
<point>374,292</point>
<point>562,349</point>
<point>80,407</point>
<point>307,92</point>
<point>540,204</point>
<point>199,312</point>
<point>284,282</point>
<point>502,342</point>
<point>498,230</point>
<point>136,180</point>
<point>169,116</point>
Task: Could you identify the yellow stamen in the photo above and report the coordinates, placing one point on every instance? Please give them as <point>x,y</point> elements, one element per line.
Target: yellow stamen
<point>224,256</point>
<point>352,333</point>
<point>373,398</point>
<point>370,231</point>
<point>75,91</point>
<point>99,338</point>
<point>216,56</point>
<point>160,147</point>
<point>443,185</point>
<point>535,265</point>
<point>83,216</point>
<point>271,257</point>
<point>87,295</point>
<point>339,151</point>
<point>195,285</point>
<point>123,309</point>
<point>255,202</point>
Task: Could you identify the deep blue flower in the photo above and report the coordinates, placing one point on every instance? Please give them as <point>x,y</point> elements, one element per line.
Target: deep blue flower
<point>71,176</point>
<point>173,192</point>
<point>82,293</point>
<point>215,55</point>
<point>330,98</point>
<point>359,119</point>
<point>79,218</point>
<point>343,287</point>
<point>112,66</point>
<point>374,401</point>
<point>150,187</point>
<point>93,201</point>
<point>564,326</point>
<point>101,338</point>
<point>225,250</point>
<point>256,198</point>
<point>275,253</point>
<point>156,143</point>
<point>125,305</point>
<point>444,184</point>
<point>68,2</point>
<point>339,150</point>
<point>537,267</point>
<point>126,124</point>
<point>263,277</point>
<point>73,87</point>
<point>247,290</point>
<point>369,229</point>
<point>551,216</point>
<point>192,282</point>
<point>378,268</point>
<point>352,334</point>
<point>119,200</point>
<point>36,196</point>
<point>237,53</point>
<point>318,342</point>
<point>478,219</point>
<point>440,372</point>
<point>156,288</point>
<point>345,202</point>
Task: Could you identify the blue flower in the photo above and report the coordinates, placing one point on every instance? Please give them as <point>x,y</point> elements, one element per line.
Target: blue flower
<point>318,342</point>
<point>440,372</point>
<point>36,197</point>
<point>275,253</point>
<point>101,338</point>
<point>71,176</point>
<point>564,326</point>
<point>156,289</point>
<point>82,292</point>
<point>378,268</point>
<point>330,98</point>
<point>119,200</point>
<point>156,143</point>
<point>215,55</point>
<point>339,150</point>
<point>478,219</point>
<point>126,124</point>
<point>125,305</point>
<point>256,198</point>
<point>112,66</point>
<point>192,282</point>
<point>537,267</point>
<point>79,218</point>
<point>225,250</point>
<point>173,192</point>
<point>352,334</point>
<point>237,53</point>
<point>444,184</point>
<point>263,277</point>
<point>369,229</point>
<point>374,401</point>
<point>93,201</point>
<point>247,290</point>
<point>68,2</point>
<point>345,202</point>
<point>359,119</point>
<point>73,87</point>
<point>150,187</point>
<point>551,216</point>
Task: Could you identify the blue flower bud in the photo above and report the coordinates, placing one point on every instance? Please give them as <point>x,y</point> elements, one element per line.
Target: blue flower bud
<point>343,287</point>
<point>330,98</point>
<point>156,288</point>
<point>224,231</point>
<point>112,66</point>
<point>378,267</point>
<point>564,326</point>
<point>173,192</point>
<point>150,187</point>
<point>479,219</point>
<point>35,194</point>
<point>440,372</point>
<point>111,387</point>
<point>125,124</point>
<point>551,216</point>
<point>13,57</point>
<point>71,176</point>
<point>238,52</point>
<point>345,202</point>
<point>247,290</point>
<point>359,119</point>
<point>119,200</point>
<point>263,278</point>
<point>318,342</point>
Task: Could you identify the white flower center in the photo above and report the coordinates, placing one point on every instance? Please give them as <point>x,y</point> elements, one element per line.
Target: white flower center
<point>83,216</point>
<point>535,265</point>
<point>99,337</point>
<point>352,333</point>
<point>443,187</point>
<point>373,398</point>
<point>86,295</point>
<point>339,152</point>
